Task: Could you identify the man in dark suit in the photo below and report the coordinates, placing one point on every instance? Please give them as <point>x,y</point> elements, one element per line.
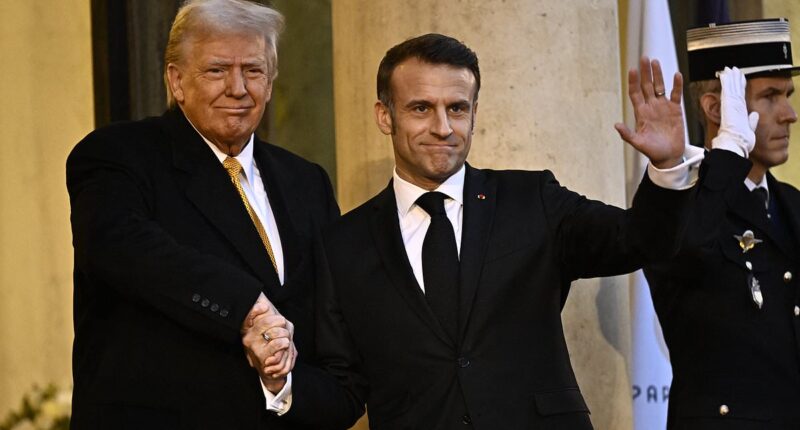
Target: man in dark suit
<point>183,226</point>
<point>729,303</point>
<point>441,302</point>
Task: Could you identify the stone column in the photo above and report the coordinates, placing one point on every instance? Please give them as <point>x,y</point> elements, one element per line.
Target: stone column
<point>301,110</point>
<point>48,107</point>
<point>789,172</point>
<point>550,96</point>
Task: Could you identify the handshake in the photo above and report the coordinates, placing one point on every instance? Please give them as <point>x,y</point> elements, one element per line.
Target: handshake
<point>268,343</point>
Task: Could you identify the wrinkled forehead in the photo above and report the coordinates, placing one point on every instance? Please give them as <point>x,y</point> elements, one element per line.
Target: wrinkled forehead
<point>224,41</point>
<point>413,77</point>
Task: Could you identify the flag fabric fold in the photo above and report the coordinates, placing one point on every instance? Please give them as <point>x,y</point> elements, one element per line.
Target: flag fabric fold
<point>649,32</point>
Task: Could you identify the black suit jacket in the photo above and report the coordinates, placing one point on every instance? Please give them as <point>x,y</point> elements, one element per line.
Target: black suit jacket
<point>525,239</point>
<point>167,265</point>
<point>724,349</point>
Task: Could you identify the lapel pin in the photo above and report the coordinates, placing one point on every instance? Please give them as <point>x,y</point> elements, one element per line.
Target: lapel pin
<point>747,240</point>
<point>481,196</point>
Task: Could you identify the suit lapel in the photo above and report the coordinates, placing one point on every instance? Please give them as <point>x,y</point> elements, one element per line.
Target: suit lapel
<point>209,188</point>
<point>747,207</point>
<point>283,200</point>
<point>385,230</point>
<point>480,202</point>
<point>788,204</point>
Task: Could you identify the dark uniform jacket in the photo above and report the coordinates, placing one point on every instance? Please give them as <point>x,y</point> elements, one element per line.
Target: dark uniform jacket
<point>735,365</point>
<point>167,265</point>
<point>525,239</point>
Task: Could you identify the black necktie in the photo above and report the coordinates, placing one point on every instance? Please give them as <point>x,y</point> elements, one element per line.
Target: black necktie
<point>440,262</point>
<point>763,196</point>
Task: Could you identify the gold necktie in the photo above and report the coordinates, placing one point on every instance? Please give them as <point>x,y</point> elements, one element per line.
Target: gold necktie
<point>234,168</point>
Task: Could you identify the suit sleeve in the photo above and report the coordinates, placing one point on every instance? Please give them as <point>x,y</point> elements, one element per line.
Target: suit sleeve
<point>118,246</point>
<point>332,398</point>
<point>595,239</point>
<point>721,173</point>
<point>331,207</point>
<point>709,210</point>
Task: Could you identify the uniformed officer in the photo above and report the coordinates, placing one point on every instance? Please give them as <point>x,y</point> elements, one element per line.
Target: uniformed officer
<point>728,304</point>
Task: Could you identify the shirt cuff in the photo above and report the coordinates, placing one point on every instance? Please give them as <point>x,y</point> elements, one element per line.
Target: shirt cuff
<point>682,176</point>
<point>281,402</point>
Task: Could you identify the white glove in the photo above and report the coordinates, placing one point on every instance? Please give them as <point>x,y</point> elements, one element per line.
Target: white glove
<point>737,128</point>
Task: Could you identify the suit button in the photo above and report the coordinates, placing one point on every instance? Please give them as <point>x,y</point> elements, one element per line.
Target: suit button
<point>749,265</point>
<point>463,362</point>
<point>466,419</point>
<point>214,307</point>
<point>196,298</point>
<point>723,410</point>
<point>787,277</point>
<point>205,303</point>
<point>797,311</point>
<point>223,313</point>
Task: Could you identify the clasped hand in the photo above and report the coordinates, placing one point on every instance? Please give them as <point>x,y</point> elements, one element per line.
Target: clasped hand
<point>268,342</point>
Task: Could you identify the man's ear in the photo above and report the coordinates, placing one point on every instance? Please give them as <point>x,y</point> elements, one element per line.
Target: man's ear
<point>174,77</point>
<point>711,104</point>
<point>268,96</point>
<point>383,117</point>
<point>474,116</point>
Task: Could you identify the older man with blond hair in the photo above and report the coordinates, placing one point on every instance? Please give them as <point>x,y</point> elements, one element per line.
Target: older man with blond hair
<point>188,230</point>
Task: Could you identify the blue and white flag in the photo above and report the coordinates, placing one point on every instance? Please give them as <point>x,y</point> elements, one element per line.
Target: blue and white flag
<point>649,32</point>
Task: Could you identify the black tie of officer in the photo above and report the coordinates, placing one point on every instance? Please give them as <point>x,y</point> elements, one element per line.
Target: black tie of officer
<point>440,262</point>
<point>762,195</point>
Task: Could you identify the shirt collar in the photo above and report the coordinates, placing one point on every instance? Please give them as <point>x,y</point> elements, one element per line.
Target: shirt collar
<point>407,193</point>
<point>245,158</point>
<point>752,185</point>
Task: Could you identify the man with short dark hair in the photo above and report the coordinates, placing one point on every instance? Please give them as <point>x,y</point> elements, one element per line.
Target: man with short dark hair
<point>183,225</point>
<point>729,303</point>
<point>441,307</point>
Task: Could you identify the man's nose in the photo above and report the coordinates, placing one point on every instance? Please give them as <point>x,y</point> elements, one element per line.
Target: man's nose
<point>235,85</point>
<point>441,124</point>
<point>791,115</point>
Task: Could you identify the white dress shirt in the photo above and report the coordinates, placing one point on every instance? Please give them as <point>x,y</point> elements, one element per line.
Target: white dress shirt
<point>256,193</point>
<point>414,221</point>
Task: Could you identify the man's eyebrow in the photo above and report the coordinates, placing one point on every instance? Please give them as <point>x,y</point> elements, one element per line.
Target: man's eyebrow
<point>417,102</point>
<point>253,61</point>
<point>772,89</point>
<point>423,102</point>
<point>219,62</point>
<point>463,102</point>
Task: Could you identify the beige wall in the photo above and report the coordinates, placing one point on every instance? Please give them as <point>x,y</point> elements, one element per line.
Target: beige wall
<point>789,172</point>
<point>550,96</point>
<point>47,89</point>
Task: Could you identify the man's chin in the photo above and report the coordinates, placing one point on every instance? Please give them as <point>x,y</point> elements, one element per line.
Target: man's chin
<point>445,172</point>
<point>237,130</point>
<point>777,160</point>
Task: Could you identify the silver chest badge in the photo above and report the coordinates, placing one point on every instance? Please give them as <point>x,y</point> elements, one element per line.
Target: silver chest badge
<point>755,291</point>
